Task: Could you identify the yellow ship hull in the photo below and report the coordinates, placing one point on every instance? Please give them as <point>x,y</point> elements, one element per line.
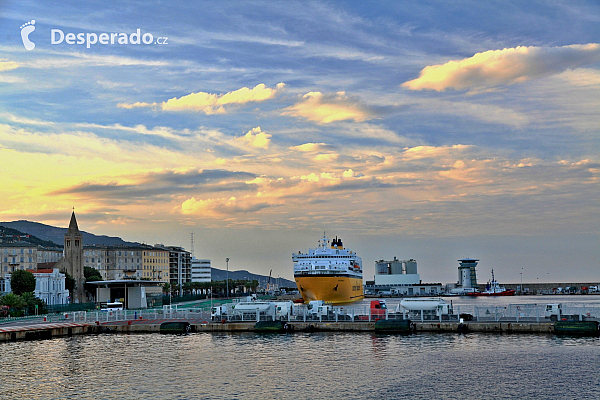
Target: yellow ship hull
<point>331,289</point>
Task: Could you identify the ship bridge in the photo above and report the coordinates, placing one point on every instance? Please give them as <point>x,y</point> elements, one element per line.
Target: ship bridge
<point>329,258</point>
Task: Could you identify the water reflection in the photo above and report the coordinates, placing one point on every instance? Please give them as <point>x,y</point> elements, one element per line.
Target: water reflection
<point>306,365</point>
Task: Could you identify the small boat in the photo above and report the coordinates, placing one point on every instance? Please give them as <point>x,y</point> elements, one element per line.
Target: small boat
<point>494,289</point>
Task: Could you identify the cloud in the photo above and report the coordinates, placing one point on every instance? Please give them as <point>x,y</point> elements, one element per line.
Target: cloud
<point>324,109</point>
<point>210,103</point>
<point>326,157</point>
<point>495,68</point>
<point>256,138</point>
<point>221,207</point>
<point>153,185</point>
<point>8,65</point>
<point>309,147</point>
<point>137,104</point>
<point>421,152</point>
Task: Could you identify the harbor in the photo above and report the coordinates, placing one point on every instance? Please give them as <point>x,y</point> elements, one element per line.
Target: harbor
<point>530,316</point>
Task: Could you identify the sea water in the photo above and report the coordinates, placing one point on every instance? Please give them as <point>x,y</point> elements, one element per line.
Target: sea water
<point>318,365</point>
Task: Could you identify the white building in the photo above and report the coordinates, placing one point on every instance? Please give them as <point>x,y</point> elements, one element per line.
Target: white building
<point>49,286</point>
<point>396,272</point>
<point>201,270</point>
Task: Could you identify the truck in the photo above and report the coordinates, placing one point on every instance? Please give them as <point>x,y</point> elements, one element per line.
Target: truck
<point>553,311</point>
<point>427,307</point>
<point>218,313</point>
<point>319,308</point>
<point>283,309</point>
<point>378,308</point>
<point>244,308</point>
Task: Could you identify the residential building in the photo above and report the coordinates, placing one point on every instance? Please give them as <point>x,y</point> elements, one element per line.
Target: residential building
<point>180,266</point>
<point>18,256</point>
<point>129,262</point>
<point>155,264</point>
<point>201,270</point>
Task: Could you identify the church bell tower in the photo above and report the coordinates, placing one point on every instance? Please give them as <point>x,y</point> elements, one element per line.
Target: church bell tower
<point>74,258</point>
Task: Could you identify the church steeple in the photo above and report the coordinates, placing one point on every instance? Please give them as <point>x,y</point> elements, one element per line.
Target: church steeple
<point>73,228</point>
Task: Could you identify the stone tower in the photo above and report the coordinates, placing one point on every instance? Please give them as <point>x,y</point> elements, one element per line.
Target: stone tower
<point>74,259</point>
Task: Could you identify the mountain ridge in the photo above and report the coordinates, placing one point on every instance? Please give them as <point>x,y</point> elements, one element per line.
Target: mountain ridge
<point>56,235</point>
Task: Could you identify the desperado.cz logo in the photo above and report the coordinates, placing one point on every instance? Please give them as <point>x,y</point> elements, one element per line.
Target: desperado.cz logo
<point>26,29</point>
<point>57,36</point>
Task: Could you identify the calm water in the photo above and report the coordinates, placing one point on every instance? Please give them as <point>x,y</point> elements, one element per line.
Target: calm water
<point>303,365</point>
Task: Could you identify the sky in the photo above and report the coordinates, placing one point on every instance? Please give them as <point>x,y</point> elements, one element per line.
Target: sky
<point>429,130</point>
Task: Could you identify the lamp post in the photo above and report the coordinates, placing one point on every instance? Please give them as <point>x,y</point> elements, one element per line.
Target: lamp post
<point>521,273</point>
<point>227,262</point>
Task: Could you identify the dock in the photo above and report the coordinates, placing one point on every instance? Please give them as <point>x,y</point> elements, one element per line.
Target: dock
<point>53,330</point>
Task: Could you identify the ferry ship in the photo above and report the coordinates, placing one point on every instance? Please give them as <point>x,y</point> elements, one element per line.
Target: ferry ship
<point>330,273</point>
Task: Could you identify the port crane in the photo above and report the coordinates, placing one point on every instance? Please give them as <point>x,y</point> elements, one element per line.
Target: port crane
<point>269,281</point>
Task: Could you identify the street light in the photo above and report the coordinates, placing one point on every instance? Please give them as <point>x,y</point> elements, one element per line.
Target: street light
<point>227,261</point>
<point>521,273</point>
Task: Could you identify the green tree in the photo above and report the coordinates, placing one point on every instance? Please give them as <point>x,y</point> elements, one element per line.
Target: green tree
<point>22,282</point>
<point>31,301</point>
<point>90,272</point>
<point>15,304</point>
<point>91,275</point>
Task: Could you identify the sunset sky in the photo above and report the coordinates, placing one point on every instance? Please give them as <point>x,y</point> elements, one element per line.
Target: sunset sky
<point>426,130</point>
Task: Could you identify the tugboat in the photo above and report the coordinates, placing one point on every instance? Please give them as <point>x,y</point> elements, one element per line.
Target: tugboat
<point>494,289</point>
<point>330,273</point>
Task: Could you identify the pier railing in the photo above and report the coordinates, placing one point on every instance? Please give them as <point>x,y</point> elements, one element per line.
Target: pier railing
<point>199,315</point>
<point>530,313</point>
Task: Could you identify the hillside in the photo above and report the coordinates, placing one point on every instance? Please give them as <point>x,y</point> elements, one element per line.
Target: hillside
<point>57,235</point>
<point>221,275</point>
<point>10,235</point>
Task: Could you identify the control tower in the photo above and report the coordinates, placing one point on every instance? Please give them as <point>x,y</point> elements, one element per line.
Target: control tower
<point>467,277</point>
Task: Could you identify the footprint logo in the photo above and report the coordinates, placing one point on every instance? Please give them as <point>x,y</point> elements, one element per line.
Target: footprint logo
<point>26,29</point>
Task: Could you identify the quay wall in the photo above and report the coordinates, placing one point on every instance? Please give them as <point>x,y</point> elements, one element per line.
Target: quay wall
<point>486,327</point>
<point>362,326</point>
<point>46,333</point>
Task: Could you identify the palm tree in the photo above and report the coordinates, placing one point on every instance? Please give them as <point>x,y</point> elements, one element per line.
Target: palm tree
<point>14,302</point>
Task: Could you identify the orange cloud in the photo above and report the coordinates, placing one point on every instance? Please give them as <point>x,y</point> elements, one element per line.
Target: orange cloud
<point>210,103</point>
<point>256,138</point>
<point>504,67</point>
<point>324,109</point>
<point>308,147</point>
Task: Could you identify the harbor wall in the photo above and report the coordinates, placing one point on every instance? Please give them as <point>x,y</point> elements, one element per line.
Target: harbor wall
<point>309,326</point>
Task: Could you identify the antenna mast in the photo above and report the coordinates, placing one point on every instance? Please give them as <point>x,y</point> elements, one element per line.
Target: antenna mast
<point>192,234</point>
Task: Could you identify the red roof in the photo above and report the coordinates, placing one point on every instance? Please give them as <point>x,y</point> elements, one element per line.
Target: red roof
<point>43,271</point>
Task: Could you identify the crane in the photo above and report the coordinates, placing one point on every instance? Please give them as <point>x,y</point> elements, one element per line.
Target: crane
<point>269,281</point>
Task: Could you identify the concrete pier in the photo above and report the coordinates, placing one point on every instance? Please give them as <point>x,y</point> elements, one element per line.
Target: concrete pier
<point>48,331</point>
<point>44,331</point>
